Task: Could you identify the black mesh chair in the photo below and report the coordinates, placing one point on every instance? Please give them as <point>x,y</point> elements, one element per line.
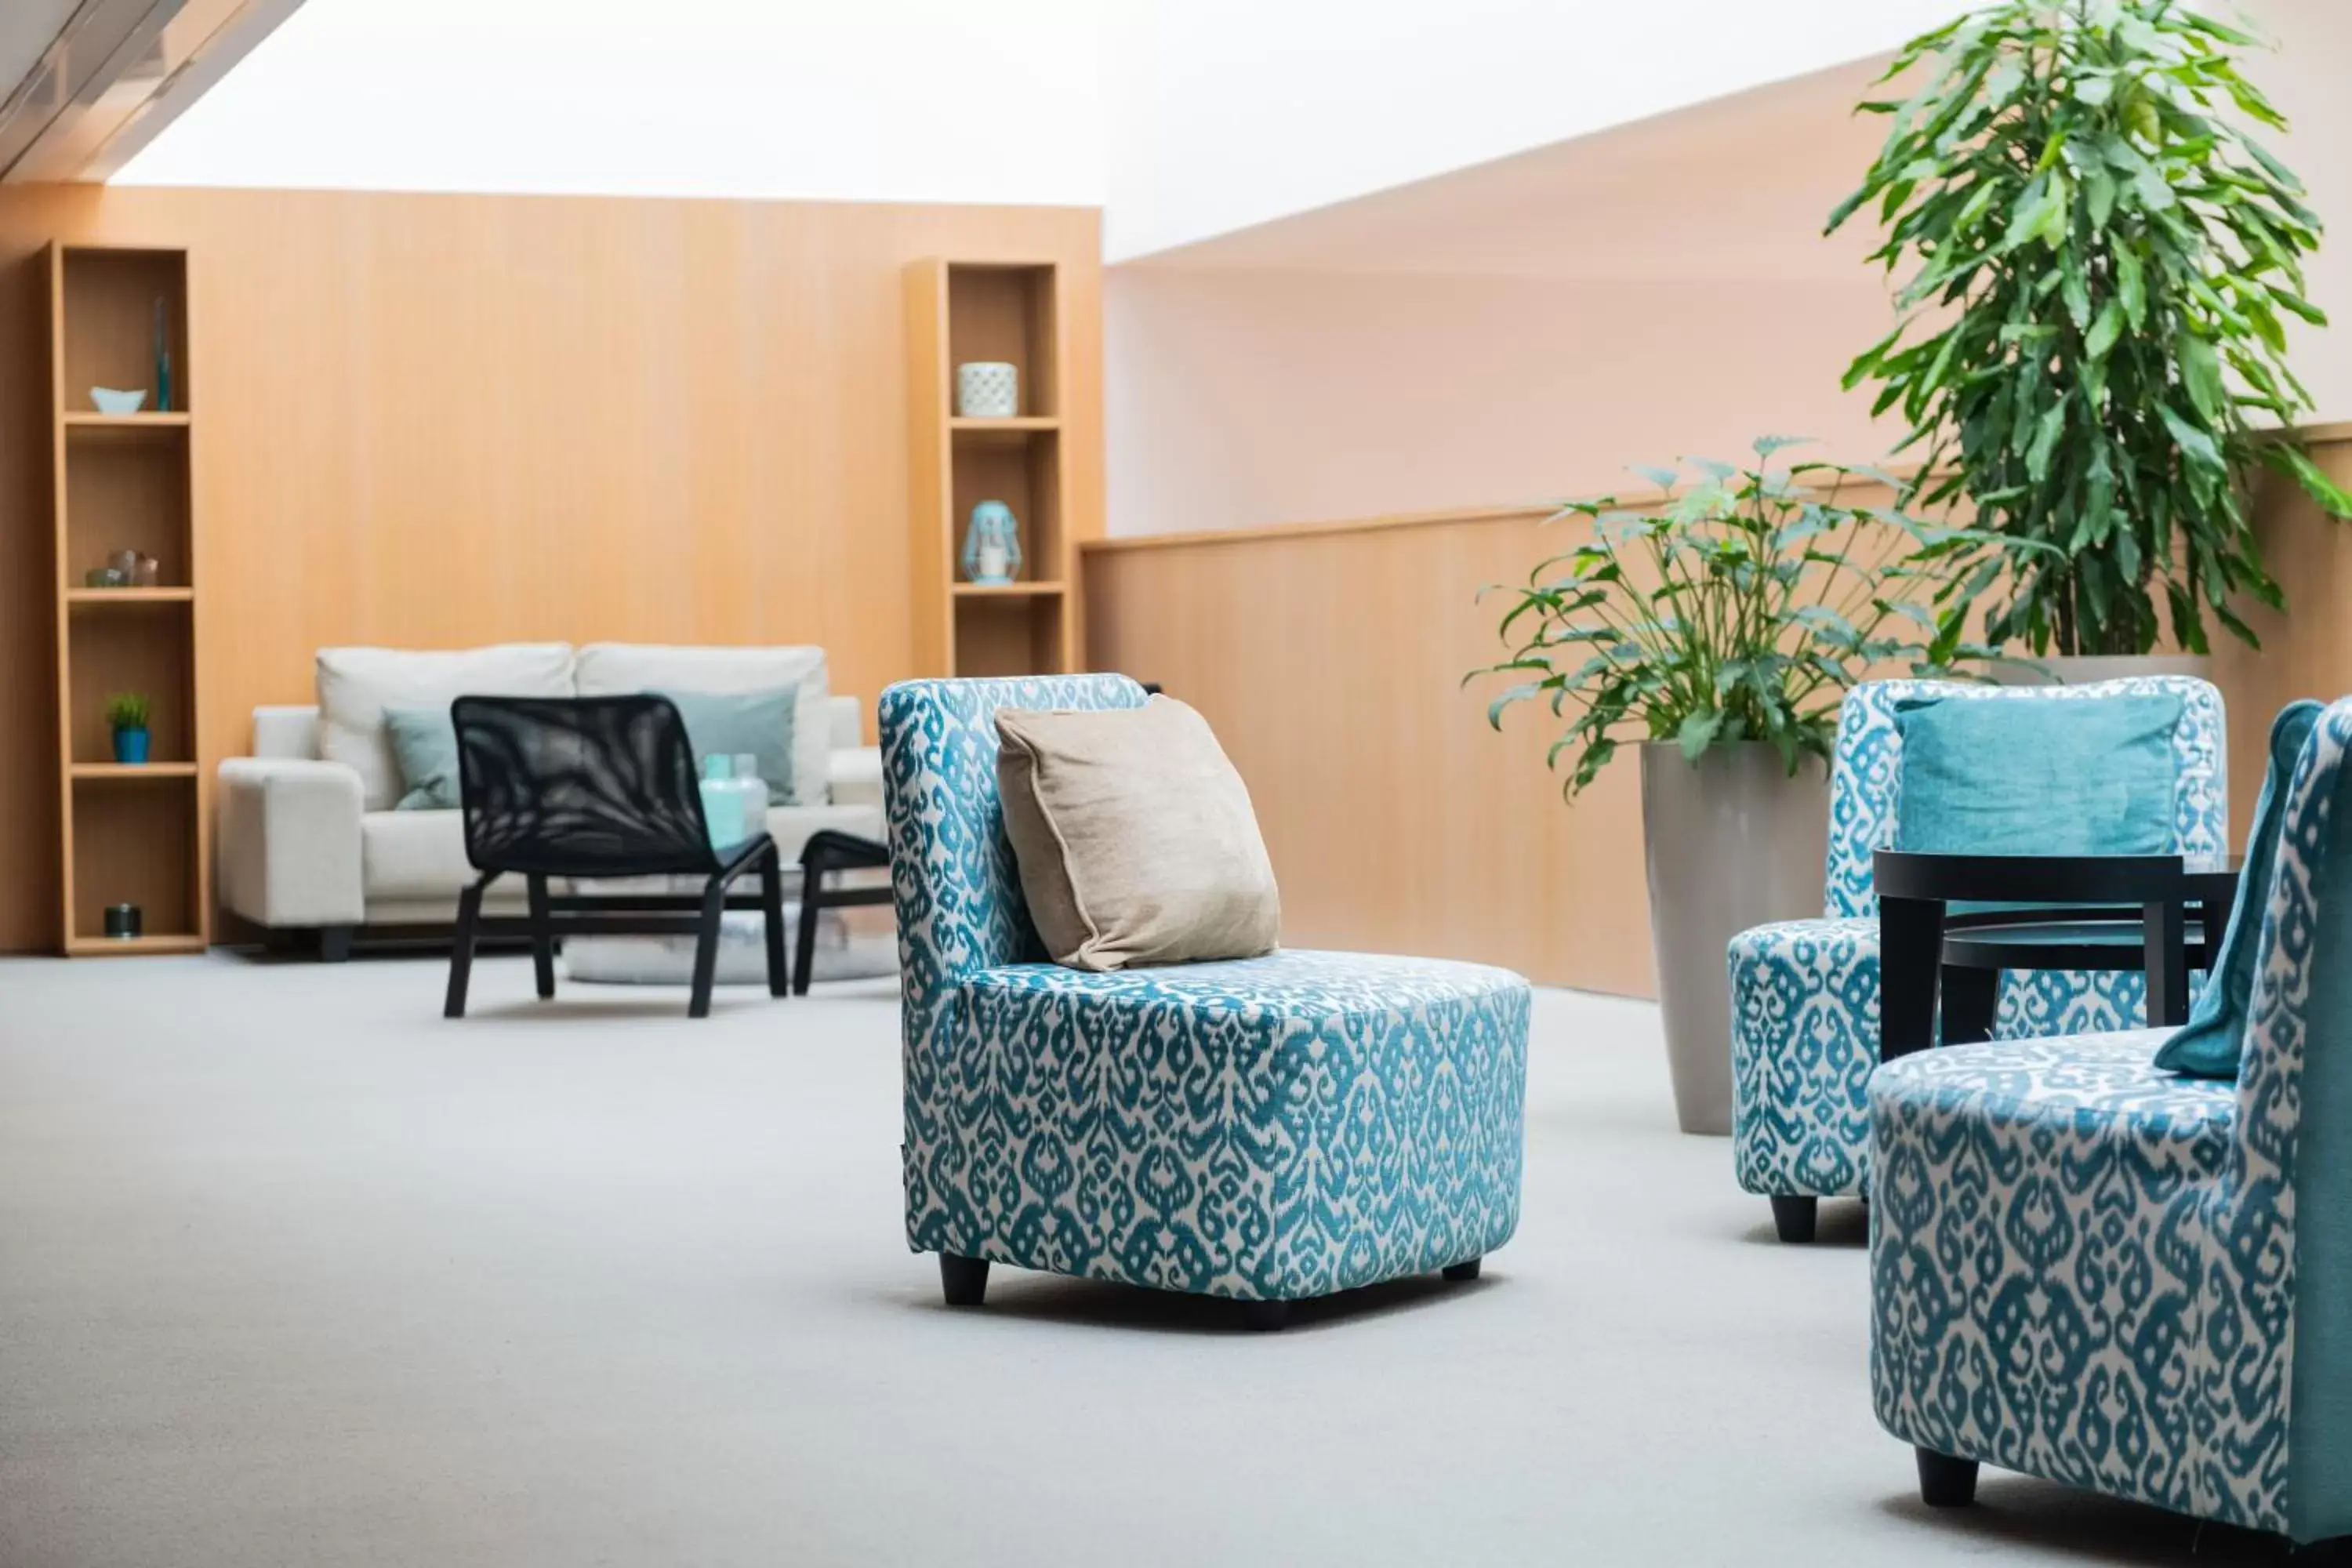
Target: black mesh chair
<point>593,787</point>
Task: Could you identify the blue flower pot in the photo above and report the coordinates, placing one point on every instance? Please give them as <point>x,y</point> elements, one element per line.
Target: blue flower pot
<point>131,745</point>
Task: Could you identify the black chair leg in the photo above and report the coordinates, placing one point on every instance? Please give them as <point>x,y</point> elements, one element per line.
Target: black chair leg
<point>542,940</point>
<point>804,939</point>
<point>461,948</point>
<point>334,944</point>
<point>771,917</point>
<point>1462,1273</point>
<point>963,1280</point>
<point>706,948</point>
<point>1945,1482</point>
<point>1795,1218</point>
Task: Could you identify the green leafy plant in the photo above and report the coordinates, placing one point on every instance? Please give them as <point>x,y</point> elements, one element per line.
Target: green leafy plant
<point>1740,608</point>
<point>2103,263</point>
<point>128,710</point>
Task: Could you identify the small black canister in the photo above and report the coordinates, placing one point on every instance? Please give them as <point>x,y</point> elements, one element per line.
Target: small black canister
<point>123,919</point>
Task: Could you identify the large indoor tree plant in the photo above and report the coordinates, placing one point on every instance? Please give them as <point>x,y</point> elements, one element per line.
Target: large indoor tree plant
<point>1718,625</point>
<point>2091,348</point>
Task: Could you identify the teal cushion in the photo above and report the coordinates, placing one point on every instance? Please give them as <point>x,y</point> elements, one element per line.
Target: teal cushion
<point>424,744</point>
<point>725,723</point>
<point>2091,775</point>
<point>2209,1046</point>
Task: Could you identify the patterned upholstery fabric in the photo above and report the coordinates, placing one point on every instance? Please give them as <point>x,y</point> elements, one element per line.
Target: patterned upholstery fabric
<point>1268,1129</point>
<point>2091,1271</point>
<point>1804,994</point>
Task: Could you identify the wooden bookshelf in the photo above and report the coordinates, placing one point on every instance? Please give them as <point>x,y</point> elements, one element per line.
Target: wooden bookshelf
<point>958,312</point>
<point>132,833</point>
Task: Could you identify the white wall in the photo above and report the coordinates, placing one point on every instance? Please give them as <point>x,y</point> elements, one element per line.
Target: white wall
<point>1238,399</point>
<point>918,101</point>
<point>1230,112</point>
<point>1668,293</point>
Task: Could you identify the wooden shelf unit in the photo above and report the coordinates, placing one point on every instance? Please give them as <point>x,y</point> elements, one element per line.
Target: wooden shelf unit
<point>958,312</point>
<point>132,833</point>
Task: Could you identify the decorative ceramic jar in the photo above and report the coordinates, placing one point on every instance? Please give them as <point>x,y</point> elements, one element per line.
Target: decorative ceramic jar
<point>991,545</point>
<point>987,389</point>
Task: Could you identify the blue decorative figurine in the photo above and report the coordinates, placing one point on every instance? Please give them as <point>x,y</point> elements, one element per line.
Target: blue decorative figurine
<point>991,545</point>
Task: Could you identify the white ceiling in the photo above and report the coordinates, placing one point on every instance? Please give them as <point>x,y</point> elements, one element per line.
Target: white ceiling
<point>919,100</point>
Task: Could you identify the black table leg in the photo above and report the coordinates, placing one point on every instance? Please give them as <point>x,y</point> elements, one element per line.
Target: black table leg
<point>1910,954</point>
<point>1971,997</point>
<point>2166,943</point>
<point>812,869</point>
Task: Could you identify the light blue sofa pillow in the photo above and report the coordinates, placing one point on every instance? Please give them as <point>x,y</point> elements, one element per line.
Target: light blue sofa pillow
<point>424,744</point>
<point>2092,776</point>
<point>2211,1043</point>
<point>727,723</point>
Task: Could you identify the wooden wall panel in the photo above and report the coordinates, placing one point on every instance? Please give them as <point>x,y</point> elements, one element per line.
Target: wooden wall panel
<point>2307,652</point>
<point>434,421</point>
<point>1330,663</point>
<point>1329,658</point>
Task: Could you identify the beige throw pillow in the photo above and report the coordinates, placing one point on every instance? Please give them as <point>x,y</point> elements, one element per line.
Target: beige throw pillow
<point>1135,837</point>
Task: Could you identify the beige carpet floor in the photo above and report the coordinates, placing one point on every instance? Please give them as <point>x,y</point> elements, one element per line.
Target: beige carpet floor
<point>293,1274</point>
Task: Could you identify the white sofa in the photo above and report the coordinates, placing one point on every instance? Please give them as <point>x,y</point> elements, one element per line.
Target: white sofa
<point>308,840</point>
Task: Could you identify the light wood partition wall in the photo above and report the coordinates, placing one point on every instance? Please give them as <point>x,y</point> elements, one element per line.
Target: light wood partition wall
<point>437,420</point>
<point>2307,651</point>
<point>1329,658</point>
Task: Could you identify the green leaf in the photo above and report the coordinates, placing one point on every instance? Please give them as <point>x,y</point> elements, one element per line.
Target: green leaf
<point>1698,732</point>
<point>2200,374</point>
<point>2045,441</point>
<point>2131,286</point>
<point>2105,330</point>
<point>1519,693</point>
<point>2197,446</point>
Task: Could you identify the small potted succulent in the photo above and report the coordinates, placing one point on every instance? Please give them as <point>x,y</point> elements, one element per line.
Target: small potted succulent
<point>126,715</point>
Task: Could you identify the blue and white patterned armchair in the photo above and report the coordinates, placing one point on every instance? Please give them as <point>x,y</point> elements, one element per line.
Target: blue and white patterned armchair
<point>2093,1271</point>
<point>1268,1129</point>
<point>1804,994</point>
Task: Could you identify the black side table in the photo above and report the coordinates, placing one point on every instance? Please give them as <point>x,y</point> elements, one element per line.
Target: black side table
<point>2161,913</point>
<point>829,850</point>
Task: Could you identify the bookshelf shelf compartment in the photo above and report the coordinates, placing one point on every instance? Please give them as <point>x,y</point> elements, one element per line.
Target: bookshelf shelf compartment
<point>1007,590</point>
<point>80,421</point>
<point>78,597</point>
<point>132,773</point>
<point>132,833</point>
<point>959,311</point>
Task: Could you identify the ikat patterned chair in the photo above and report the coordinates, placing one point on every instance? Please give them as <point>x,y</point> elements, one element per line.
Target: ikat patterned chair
<point>2096,1272</point>
<point>1268,1130</point>
<point>1804,994</point>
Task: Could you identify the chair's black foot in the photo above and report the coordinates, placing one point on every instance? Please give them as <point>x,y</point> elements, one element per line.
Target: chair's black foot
<point>1461,1272</point>
<point>334,944</point>
<point>1794,1218</point>
<point>1944,1481</point>
<point>1265,1316</point>
<point>963,1280</point>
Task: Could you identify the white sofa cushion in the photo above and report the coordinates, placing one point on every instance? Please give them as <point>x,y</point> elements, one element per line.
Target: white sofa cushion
<point>414,854</point>
<point>613,668</point>
<point>356,684</point>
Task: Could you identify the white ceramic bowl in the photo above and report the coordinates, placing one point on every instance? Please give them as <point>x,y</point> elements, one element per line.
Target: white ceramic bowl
<point>110,401</point>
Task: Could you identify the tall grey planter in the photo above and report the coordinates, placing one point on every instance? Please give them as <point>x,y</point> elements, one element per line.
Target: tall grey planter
<point>1733,842</point>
